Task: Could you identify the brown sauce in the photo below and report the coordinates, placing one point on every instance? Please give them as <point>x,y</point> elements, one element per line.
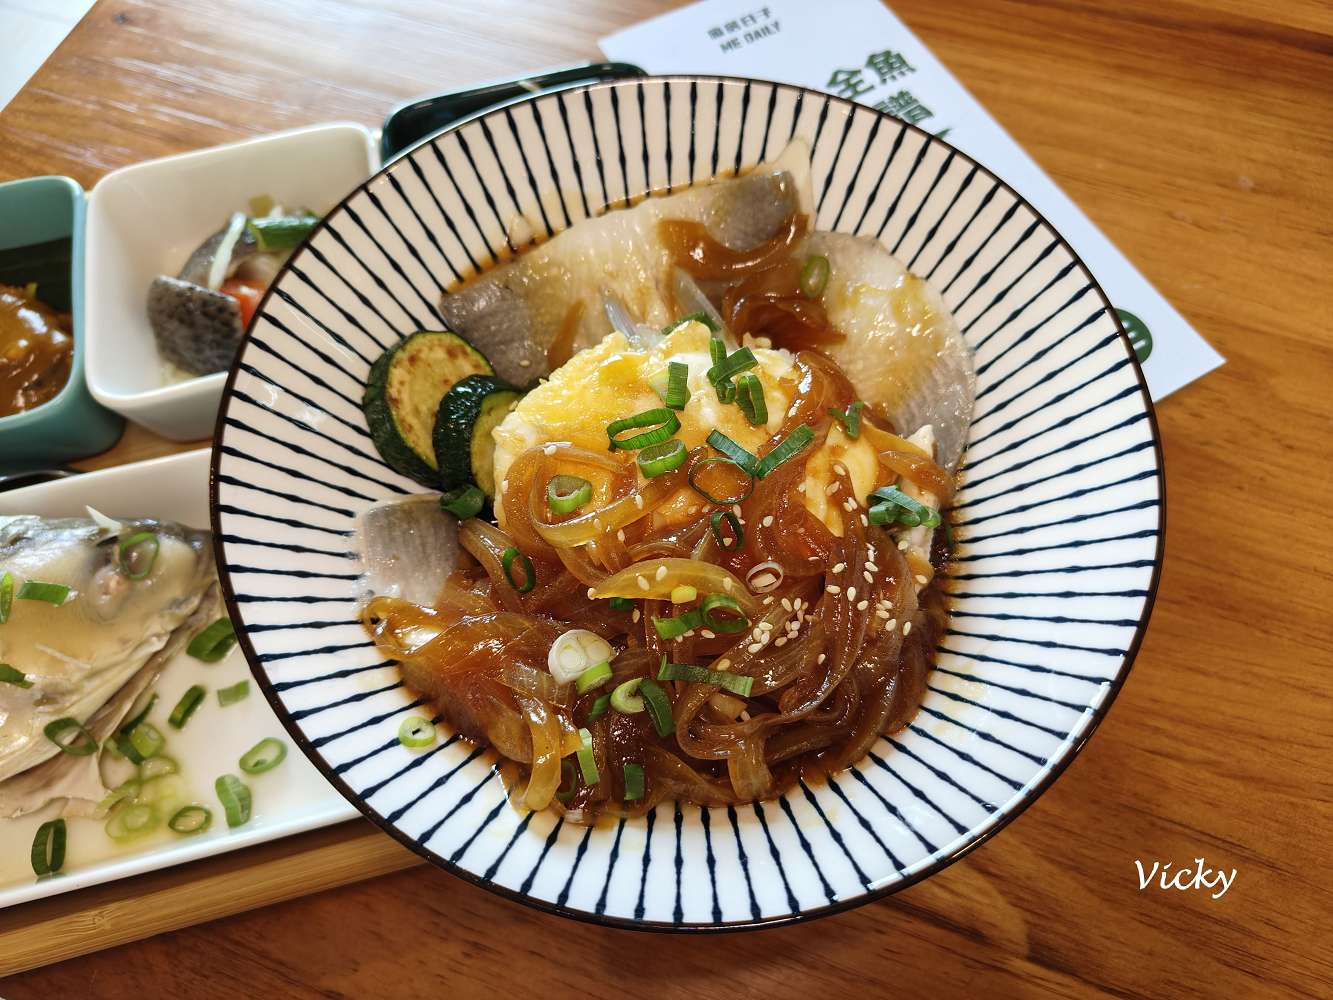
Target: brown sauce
<point>36,351</point>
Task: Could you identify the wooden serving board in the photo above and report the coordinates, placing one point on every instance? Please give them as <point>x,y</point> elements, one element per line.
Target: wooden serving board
<point>60,927</point>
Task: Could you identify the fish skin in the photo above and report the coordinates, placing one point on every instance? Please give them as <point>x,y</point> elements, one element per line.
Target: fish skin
<point>196,329</point>
<point>513,312</point>
<point>81,655</point>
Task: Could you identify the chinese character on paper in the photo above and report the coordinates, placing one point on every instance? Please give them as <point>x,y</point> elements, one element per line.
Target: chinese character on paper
<point>905,106</point>
<point>849,83</point>
<point>733,26</point>
<point>889,65</point>
<point>714,32</point>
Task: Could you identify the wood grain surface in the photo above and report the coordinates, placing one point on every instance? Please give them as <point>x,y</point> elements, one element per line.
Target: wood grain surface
<point>1199,136</point>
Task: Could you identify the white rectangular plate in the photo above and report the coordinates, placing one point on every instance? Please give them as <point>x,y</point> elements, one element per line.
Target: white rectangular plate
<point>289,799</point>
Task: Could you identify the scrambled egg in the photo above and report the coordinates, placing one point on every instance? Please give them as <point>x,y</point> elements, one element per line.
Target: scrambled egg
<point>610,380</point>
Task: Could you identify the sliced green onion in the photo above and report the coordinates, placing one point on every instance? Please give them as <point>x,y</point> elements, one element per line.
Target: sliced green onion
<point>125,790</point>
<point>727,501</point>
<point>663,457</point>
<point>529,574</point>
<point>463,502</point>
<point>593,678</point>
<point>678,385</point>
<point>130,820</point>
<point>737,532</point>
<point>925,515</point>
<point>735,683</point>
<point>235,797</point>
<point>625,698</point>
<point>850,418</point>
<point>587,761</point>
<point>663,422</point>
<point>6,596</point>
<point>231,695</point>
<point>724,625</point>
<point>51,593</point>
<point>8,675</point>
<point>190,701</point>
<point>147,740</point>
<point>748,463</point>
<point>750,398</point>
<point>599,707</point>
<point>416,732</point>
<point>140,715</point>
<point>131,556</point>
<point>158,767</point>
<point>717,350</point>
<point>698,317</point>
<point>674,628</point>
<point>740,360</point>
<point>214,642</point>
<point>566,494</point>
<point>282,232</point>
<point>191,819</point>
<point>48,848</point>
<point>883,513</point>
<point>658,705</point>
<point>726,391</point>
<point>265,755</point>
<point>814,276</point>
<point>78,743</point>
<point>633,782</point>
<point>789,447</point>
<point>568,777</point>
<point>621,604</point>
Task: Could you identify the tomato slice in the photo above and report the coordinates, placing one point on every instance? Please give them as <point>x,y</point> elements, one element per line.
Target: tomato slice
<point>247,295</point>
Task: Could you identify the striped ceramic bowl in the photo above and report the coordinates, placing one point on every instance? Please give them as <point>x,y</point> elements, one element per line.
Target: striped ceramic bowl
<point>1060,508</point>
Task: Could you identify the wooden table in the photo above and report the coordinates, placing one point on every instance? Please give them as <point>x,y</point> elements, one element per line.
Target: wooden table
<point>1199,135</point>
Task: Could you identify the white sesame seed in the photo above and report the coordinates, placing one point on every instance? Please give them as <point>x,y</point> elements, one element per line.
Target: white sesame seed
<point>661,573</point>
<point>686,634</point>
<point>881,612</point>
<point>620,535</point>
<point>871,566</point>
<point>849,505</point>
<point>524,363</point>
<point>780,641</point>
<point>643,582</point>
<point>744,716</point>
<point>907,628</point>
<point>830,489</point>
<point>792,412</point>
<point>766,626</point>
<point>821,658</point>
<point>921,579</point>
<point>768,521</point>
<point>592,592</point>
<point>754,647</point>
<point>597,523</point>
<point>721,664</point>
<point>891,624</point>
<point>786,604</point>
<point>757,633</point>
<point>839,469</point>
<point>869,578</point>
<point>736,509</point>
<point>864,522</point>
<point>862,605</point>
<point>851,593</point>
<point>768,600</point>
<point>903,545</point>
<point>636,616</point>
<point>708,633</point>
<point>801,488</point>
<point>870,554</point>
<point>833,588</point>
<point>797,604</point>
<point>638,500</point>
<point>838,568</point>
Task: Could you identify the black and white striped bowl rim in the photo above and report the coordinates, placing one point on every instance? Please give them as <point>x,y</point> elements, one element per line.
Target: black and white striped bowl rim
<point>1061,507</point>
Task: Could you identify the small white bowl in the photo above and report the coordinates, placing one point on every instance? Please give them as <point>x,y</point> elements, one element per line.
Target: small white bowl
<point>146,219</point>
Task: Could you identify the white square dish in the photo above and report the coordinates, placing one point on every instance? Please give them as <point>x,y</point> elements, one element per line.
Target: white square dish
<point>291,799</point>
<point>145,220</point>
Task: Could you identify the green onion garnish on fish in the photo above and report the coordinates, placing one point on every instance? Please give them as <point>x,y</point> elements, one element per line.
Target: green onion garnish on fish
<point>214,642</point>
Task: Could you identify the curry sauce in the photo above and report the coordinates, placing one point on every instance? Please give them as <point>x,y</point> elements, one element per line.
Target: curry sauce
<point>36,351</point>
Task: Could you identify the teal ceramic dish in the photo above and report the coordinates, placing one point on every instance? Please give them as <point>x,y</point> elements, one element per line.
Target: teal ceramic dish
<point>43,212</point>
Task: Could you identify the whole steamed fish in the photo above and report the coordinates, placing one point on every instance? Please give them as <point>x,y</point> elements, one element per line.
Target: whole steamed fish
<point>129,609</point>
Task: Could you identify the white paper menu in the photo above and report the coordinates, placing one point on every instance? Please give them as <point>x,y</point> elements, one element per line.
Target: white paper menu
<point>858,49</point>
